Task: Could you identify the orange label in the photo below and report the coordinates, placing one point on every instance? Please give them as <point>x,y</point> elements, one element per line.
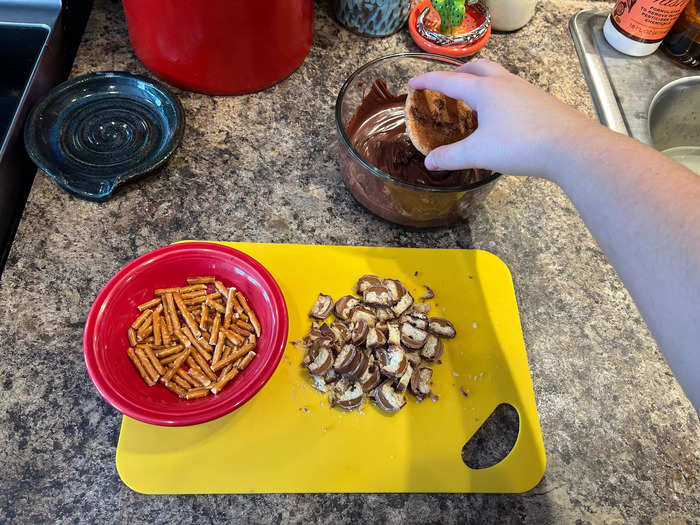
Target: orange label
<point>648,20</point>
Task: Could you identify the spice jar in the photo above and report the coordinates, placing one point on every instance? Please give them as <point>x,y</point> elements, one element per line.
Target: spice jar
<point>683,42</point>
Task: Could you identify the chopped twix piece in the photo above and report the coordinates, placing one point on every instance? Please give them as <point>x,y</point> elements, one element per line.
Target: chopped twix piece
<point>377,345</point>
<point>203,317</point>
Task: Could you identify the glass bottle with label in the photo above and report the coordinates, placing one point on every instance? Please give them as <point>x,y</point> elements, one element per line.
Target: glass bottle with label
<point>683,42</point>
<point>637,27</point>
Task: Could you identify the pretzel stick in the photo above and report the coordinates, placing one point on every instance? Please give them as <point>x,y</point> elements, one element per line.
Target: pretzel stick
<point>221,288</point>
<point>229,308</point>
<point>180,381</point>
<point>172,314</point>
<point>165,291</point>
<point>251,315</point>
<point>194,294</point>
<point>185,376</point>
<point>131,335</point>
<point>165,333</point>
<point>240,331</point>
<point>183,339</point>
<point>246,360</point>
<point>225,371</point>
<point>139,367</point>
<point>157,331</point>
<point>221,383</point>
<point>213,296</point>
<point>195,301</point>
<point>203,365</point>
<point>141,319</point>
<point>187,316</point>
<point>236,339</point>
<point>149,304</point>
<point>216,306</point>
<point>147,364</point>
<point>232,357</point>
<point>195,393</point>
<point>177,364</point>
<point>247,326</point>
<point>169,351</point>
<point>234,302</point>
<point>192,288</point>
<point>153,359</point>
<point>216,324</point>
<point>198,376</point>
<point>219,347</point>
<point>196,343</point>
<point>173,387</point>
<point>171,358</point>
<point>203,317</point>
<point>145,330</point>
<point>208,279</point>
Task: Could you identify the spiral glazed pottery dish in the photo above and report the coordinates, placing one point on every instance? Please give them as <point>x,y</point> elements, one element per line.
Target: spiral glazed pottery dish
<point>97,131</point>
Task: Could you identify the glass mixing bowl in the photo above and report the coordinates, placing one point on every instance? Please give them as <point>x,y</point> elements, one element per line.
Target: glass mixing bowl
<point>392,199</point>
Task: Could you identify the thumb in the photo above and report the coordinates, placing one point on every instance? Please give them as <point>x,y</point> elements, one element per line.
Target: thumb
<point>459,155</point>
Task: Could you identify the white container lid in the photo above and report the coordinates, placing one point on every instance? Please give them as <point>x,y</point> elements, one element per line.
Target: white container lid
<point>626,45</point>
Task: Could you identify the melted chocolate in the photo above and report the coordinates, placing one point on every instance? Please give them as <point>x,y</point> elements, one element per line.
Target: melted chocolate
<point>377,130</point>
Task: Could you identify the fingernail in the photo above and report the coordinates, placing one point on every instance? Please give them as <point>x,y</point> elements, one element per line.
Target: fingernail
<point>430,162</point>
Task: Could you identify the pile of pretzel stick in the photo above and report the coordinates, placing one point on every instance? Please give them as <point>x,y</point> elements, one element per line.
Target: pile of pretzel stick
<point>192,341</point>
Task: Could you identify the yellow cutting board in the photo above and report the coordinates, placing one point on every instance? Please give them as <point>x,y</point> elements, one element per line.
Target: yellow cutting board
<point>288,439</point>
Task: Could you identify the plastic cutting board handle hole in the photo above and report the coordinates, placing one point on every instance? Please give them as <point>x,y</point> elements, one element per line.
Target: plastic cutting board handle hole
<point>494,440</point>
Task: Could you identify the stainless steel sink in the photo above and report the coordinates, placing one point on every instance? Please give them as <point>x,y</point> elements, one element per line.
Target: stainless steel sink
<point>622,87</point>
<point>38,41</point>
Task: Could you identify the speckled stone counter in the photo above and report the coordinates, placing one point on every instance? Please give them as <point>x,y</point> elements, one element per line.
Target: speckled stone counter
<point>622,441</point>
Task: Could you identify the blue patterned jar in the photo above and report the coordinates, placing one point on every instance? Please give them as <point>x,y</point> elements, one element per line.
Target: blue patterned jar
<point>373,17</point>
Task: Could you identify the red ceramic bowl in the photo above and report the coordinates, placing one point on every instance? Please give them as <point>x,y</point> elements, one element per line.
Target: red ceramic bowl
<point>105,342</point>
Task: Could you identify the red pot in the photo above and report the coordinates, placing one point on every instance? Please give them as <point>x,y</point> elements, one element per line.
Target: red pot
<point>220,47</point>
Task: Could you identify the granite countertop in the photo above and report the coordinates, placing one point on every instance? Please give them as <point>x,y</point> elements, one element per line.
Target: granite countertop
<point>623,443</point>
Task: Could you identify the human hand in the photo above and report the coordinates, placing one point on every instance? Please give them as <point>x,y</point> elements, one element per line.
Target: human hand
<point>522,130</point>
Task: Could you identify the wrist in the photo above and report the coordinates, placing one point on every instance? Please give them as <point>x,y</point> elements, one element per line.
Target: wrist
<point>578,146</point>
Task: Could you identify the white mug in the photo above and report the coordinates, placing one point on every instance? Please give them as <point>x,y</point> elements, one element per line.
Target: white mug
<point>509,15</point>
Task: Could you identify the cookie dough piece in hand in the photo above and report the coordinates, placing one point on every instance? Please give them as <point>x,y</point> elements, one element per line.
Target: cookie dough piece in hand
<point>434,119</point>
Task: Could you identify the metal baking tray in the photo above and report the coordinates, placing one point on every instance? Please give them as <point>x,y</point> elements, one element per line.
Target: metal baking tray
<point>621,86</point>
